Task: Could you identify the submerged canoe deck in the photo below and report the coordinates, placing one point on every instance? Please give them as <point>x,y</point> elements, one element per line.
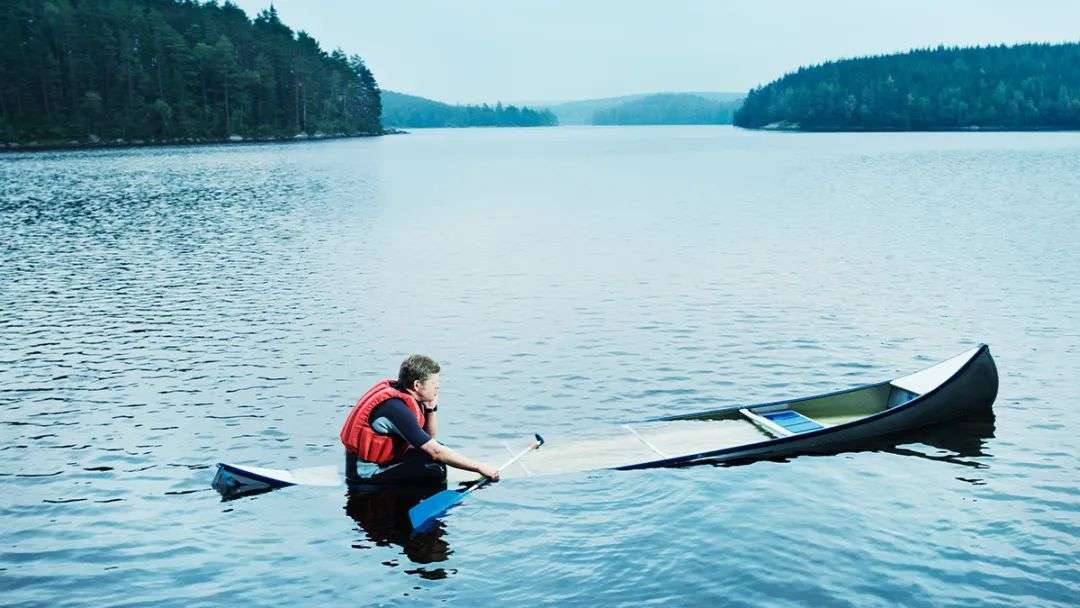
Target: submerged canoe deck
<point>620,446</point>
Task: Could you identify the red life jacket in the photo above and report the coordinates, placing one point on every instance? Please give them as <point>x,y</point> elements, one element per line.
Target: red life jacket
<point>362,440</point>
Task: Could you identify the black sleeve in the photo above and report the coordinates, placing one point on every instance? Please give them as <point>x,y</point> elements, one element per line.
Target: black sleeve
<point>398,413</point>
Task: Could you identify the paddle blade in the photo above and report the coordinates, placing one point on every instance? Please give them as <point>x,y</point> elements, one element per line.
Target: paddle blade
<point>432,507</point>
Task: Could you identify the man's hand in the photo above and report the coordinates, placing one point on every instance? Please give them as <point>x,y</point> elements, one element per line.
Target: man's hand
<point>445,455</point>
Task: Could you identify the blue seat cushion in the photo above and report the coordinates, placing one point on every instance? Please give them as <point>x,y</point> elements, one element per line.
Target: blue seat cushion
<point>793,421</point>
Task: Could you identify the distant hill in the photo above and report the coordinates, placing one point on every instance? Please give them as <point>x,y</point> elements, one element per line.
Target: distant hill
<point>1023,87</point>
<point>582,112</point>
<point>411,111</point>
<point>668,109</point>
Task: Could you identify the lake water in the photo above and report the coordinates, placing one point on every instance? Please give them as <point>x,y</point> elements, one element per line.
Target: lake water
<point>166,309</point>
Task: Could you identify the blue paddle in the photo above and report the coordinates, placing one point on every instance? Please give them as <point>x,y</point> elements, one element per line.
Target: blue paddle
<point>429,509</point>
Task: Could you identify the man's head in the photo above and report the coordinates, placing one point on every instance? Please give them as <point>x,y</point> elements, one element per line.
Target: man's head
<point>420,375</point>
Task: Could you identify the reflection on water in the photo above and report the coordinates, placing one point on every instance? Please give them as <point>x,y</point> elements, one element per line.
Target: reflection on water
<point>958,442</point>
<point>383,516</point>
<point>229,494</point>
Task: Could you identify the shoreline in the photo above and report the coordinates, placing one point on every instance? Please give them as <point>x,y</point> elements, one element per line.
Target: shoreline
<point>101,144</point>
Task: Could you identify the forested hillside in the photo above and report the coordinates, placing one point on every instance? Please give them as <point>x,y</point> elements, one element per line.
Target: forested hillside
<point>1029,86</point>
<point>171,70</point>
<point>668,109</point>
<point>400,110</point>
<point>583,111</point>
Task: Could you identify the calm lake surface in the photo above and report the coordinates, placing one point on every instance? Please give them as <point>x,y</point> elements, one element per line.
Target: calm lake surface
<point>166,309</point>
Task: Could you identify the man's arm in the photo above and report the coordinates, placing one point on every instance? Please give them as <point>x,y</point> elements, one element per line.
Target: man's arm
<point>443,454</point>
<point>401,422</point>
<point>406,425</point>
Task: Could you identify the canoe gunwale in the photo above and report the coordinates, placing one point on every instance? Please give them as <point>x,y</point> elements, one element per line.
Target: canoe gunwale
<point>809,436</point>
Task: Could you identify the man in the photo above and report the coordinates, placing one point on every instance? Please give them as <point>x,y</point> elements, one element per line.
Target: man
<point>389,435</point>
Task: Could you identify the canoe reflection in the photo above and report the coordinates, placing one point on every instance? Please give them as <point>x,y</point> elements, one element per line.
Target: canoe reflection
<point>957,442</point>
<point>383,515</point>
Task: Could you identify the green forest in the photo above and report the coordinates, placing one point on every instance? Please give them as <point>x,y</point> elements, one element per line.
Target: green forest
<point>1023,87</point>
<point>400,110</point>
<point>668,109</point>
<point>171,71</point>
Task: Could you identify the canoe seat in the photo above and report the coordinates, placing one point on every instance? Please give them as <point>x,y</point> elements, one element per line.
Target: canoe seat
<point>783,423</point>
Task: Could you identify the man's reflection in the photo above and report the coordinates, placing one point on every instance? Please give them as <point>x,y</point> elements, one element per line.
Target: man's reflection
<point>383,514</point>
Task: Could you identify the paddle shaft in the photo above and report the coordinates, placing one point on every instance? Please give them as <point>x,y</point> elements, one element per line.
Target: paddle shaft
<point>539,441</point>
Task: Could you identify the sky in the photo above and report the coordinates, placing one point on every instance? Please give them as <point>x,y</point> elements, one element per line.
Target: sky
<point>472,51</point>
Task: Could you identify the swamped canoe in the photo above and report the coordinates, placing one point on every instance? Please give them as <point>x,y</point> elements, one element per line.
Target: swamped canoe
<point>963,385</point>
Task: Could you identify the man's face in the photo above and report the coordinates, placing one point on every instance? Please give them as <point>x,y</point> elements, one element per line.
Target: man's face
<point>427,391</point>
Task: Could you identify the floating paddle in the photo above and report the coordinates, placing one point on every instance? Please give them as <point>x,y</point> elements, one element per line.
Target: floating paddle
<point>433,506</point>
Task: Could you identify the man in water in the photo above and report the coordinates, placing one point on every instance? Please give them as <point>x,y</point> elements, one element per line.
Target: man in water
<point>389,435</point>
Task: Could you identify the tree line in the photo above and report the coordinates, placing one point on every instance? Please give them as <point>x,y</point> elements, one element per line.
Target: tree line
<point>171,70</point>
<point>1028,86</point>
<point>410,111</point>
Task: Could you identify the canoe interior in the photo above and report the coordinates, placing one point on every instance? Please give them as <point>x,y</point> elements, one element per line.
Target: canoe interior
<point>690,434</point>
<point>655,440</point>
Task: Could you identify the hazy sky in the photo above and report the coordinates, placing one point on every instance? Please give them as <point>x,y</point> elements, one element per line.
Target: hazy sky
<point>510,50</point>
